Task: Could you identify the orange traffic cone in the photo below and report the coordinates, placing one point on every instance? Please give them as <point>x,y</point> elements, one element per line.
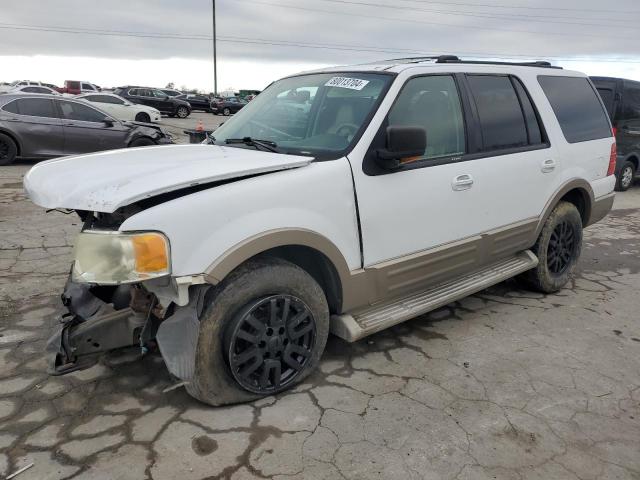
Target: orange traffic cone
<point>200,126</point>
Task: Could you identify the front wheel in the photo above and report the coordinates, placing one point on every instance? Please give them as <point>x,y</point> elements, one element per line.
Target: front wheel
<point>143,117</point>
<point>8,150</point>
<point>182,112</point>
<point>625,176</point>
<point>263,331</point>
<point>142,142</point>
<point>226,112</point>
<point>558,249</point>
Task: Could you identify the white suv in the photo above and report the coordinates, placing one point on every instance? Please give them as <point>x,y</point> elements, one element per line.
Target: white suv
<point>343,200</point>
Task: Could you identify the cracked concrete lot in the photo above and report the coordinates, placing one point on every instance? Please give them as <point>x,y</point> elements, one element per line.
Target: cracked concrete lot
<point>507,384</point>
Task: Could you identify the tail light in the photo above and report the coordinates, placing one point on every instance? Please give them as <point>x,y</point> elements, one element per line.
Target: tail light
<point>612,160</point>
<point>615,131</point>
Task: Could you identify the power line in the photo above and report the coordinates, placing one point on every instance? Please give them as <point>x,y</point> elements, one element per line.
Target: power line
<point>296,44</point>
<point>523,7</point>
<point>439,24</point>
<point>511,16</point>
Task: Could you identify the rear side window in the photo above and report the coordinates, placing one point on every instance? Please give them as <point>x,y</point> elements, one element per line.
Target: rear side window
<point>34,107</point>
<point>577,108</point>
<point>631,102</point>
<point>534,131</point>
<point>501,118</point>
<point>606,94</point>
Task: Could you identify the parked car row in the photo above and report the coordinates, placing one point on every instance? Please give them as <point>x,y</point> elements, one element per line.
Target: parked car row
<point>155,98</point>
<point>45,126</point>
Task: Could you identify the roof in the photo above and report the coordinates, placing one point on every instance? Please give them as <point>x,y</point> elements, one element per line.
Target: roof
<point>400,64</point>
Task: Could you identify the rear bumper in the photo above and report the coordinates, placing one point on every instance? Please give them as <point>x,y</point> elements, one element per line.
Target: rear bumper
<point>601,207</point>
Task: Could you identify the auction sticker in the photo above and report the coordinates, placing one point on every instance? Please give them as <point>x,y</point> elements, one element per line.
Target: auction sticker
<point>346,82</point>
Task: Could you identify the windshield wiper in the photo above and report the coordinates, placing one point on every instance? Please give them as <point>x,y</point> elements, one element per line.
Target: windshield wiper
<point>254,142</point>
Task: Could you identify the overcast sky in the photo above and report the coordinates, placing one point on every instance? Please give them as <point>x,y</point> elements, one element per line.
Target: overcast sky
<point>119,42</point>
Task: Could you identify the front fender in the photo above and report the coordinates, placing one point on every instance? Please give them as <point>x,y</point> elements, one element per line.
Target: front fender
<point>207,227</point>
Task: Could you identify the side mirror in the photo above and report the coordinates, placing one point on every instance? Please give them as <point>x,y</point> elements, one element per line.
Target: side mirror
<point>108,122</point>
<point>404,145</point>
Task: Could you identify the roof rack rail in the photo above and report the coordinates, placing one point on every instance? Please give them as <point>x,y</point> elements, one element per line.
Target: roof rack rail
<point>455,59</point>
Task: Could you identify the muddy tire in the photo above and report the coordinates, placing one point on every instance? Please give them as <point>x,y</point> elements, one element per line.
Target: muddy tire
<point>558,249</point>
<point>263,330</point>
<point>8,150</point>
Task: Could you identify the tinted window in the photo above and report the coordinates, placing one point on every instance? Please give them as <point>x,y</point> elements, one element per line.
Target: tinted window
<point>432,103</point>
<point>631,102</point>
<point>501,118</point>
<point>74,85</point>
<point>534,132</point>
<point>104,99</point>
<point>577,108</point>
<point>35,90</point>
<point>606,94</point>
<point>77,111</point>
<point>11,107</point>
<point>35,107</point>
<point>134,91</point>
<point>87,86</point>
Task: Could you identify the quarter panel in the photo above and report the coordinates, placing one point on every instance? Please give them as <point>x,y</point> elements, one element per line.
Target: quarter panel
<point>203,226</point>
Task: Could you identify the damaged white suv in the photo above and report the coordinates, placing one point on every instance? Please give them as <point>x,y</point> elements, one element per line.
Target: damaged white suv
<point>345,200</point>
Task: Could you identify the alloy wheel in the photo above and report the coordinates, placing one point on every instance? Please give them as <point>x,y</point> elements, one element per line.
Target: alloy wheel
<point>270,343</point>
<point>562,246</point>
<point>182,112</point>
<point>626,177</point>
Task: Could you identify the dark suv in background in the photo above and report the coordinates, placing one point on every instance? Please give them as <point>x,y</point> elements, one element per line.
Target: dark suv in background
<point>155,98</point>
<point>621,97</point>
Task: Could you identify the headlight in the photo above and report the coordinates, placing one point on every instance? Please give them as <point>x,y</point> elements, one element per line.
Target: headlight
<point>111,258</point>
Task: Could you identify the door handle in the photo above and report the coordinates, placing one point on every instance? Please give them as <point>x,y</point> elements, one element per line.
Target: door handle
<point>462,182</point>
<point>549,165</point>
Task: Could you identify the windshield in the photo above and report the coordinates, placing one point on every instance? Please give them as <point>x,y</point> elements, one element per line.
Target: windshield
<point>316,114</point>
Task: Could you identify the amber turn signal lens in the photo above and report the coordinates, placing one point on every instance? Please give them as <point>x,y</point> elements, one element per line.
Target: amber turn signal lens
<point>151,253</point>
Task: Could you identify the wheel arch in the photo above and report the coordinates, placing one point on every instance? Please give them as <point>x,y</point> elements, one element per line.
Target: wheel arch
<point>576,191</point>
<point>633,158</point>
<point>312,252</point>
<point>15,139</point>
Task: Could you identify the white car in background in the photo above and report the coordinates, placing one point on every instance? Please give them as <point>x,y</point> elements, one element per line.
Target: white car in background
<point>17,84</point>
<point>121,108</point>
<point>41,89</point>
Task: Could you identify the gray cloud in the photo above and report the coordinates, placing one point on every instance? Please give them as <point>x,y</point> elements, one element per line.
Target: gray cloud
<point>468,29</point>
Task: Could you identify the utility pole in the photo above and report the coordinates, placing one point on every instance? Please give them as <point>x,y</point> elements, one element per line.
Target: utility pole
<point>215,66</point>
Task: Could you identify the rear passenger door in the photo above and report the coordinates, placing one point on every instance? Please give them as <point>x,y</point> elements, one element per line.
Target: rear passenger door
<point>477,189</point>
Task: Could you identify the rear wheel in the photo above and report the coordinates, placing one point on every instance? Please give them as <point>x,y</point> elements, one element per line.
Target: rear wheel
<point>558,249</point>
<point>142,142</point>
<point>263,330</point>
<point>143,117</point>
<point>8,150</point>
<point>625,176</point>
<point>182,112</point>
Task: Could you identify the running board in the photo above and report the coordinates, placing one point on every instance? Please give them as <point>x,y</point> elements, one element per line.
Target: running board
<point>354,326</point>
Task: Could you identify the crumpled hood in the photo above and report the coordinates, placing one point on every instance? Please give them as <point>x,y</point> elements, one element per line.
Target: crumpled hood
<point>106,181</point>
